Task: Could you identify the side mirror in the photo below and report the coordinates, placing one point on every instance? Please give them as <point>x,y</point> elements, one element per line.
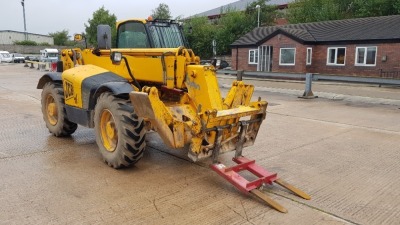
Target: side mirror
<point>104,37</point>
<point>116,57</point>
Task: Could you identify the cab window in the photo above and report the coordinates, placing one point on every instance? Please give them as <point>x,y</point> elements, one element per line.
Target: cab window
<point>166,35</point>
<point>132,35</point>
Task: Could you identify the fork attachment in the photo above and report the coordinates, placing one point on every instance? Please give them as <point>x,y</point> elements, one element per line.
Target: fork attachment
<point>264,177</point>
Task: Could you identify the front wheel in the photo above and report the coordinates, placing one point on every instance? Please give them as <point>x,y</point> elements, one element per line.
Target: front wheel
<point>54,114</point>
<point>120,134</point>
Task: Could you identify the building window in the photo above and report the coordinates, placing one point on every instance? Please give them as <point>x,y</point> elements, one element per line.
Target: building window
<point>287,56</point>
<point>309,56</point>
<point>365,56</point>
<point>253,56</point>
<point>336,56</point>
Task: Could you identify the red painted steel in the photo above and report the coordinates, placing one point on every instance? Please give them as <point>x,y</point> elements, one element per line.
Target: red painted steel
<point>231,174</point>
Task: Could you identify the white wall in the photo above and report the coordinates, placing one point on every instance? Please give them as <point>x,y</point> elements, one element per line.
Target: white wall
<point>8,37</point>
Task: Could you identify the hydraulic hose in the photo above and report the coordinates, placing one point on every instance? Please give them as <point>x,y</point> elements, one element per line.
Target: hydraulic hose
<point>135,82</point>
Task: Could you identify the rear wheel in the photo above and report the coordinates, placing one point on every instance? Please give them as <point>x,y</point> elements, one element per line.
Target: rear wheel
<point>120,134</point>
<point>53,110</point>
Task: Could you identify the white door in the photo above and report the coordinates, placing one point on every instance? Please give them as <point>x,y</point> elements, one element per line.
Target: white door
<point>265,58</point>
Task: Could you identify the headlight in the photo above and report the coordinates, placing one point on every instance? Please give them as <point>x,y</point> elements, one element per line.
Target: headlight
<point>116,57</point>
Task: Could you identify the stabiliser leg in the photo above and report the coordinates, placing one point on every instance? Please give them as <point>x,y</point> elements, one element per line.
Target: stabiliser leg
<point>264,177</point>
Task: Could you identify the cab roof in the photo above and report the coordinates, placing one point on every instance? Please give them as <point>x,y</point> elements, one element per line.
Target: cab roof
<point>131,20</point>
<point>144,21</point>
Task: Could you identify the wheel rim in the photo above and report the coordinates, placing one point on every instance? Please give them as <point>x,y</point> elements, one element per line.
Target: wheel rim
<point>51,109</point>
<point>108,131</point>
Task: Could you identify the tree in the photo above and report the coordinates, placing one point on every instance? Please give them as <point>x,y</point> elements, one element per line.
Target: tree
<point>101,16</point>
<point>376,8</point>
<point>230,27</point>
<point>60,37</point>
<point>199,34</point>
<point>304,11</point>
<point>161,12</point>
<point>268,13</point>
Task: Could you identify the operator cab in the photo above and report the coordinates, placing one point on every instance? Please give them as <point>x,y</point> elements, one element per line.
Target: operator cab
<point>150,34</point>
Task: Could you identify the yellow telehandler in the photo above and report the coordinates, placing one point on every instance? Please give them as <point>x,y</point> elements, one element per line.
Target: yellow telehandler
<point>152,81</point>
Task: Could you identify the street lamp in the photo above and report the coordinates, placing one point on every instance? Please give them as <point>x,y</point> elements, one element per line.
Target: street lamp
<point>258,18</point>
<point>23,8</point>
<point>214,45</point>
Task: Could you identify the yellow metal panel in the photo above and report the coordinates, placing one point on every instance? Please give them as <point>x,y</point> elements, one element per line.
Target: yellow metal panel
<point>195,145</point>
<point>186,114</point>
<point>170,71</point>
<point>143,68</point>
<point>180,71</point>
<point>67,57</point>
<point>179,134</point>
<point>203,88</point>
<point>240,111</point>
<point>141,51</point>
<point>162,118</point>
<point>72,80</point>
<point>243,94</point>
<point>176,124</point>
<point>142,105</point>
<point>230,96</point>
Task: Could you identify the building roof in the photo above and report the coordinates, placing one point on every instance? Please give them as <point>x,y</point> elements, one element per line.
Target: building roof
<point>21,32</point>
<point>239,6</point>
<point>350,30</point>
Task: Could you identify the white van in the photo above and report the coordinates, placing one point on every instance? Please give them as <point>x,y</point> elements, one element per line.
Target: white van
<point>5,56</point>
<point>49,55</point>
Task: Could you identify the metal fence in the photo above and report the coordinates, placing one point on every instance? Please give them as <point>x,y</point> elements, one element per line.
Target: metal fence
<point>391,79</point>
<point>387,78</point>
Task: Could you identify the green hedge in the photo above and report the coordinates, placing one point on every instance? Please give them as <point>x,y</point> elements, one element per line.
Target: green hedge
<point>30,43</point>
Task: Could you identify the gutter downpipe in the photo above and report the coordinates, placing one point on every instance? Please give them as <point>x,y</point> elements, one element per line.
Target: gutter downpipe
<point>237,57</point>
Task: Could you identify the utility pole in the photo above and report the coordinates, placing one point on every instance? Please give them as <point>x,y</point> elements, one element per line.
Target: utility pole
<point>214,45</point>
<point>258,18</point>
<point>23,8</point>
<point>259,48</point>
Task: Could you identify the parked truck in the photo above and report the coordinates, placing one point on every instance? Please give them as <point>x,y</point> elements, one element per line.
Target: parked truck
<point>48,55</point>
<point>152,80</point>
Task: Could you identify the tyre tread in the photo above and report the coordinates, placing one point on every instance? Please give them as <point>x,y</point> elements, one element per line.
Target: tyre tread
<point>62,128</point>
<point>132,135</point>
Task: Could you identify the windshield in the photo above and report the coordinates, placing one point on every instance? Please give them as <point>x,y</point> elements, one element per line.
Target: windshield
<point>161,35</point>
<point>5,55</point>
<point>166,35</point>
<point>132,35</point>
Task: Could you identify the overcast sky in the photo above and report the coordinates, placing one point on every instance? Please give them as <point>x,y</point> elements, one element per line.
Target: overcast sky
<point>45,16</point>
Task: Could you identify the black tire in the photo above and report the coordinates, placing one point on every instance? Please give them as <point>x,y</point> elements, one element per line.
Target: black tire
<point>53,110</point>
<point>120,134</point>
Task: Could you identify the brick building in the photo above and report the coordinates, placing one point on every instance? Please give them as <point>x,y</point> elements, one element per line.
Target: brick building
<point>359,47</point>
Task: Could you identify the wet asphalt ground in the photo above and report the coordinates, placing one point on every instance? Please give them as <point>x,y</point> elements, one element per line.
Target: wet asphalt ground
<point>341,148</point>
